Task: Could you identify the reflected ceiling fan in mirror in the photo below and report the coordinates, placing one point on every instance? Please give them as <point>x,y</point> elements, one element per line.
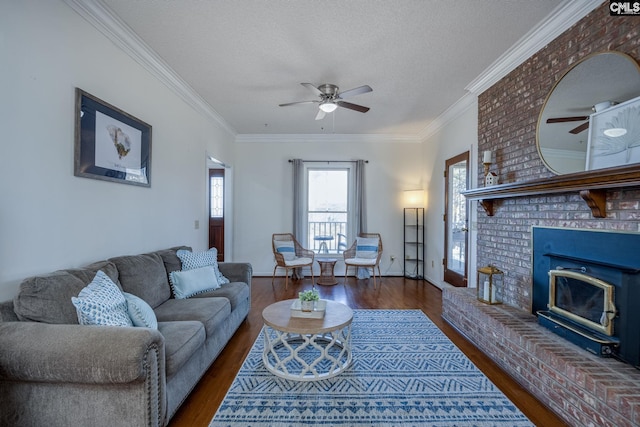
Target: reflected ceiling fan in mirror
<point>330,98</point>
<point>584,126</point>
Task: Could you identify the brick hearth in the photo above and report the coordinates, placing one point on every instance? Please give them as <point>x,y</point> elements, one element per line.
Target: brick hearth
<point>581,388</point>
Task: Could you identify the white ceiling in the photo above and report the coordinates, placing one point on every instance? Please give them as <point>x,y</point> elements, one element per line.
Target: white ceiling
<point>244,57</point>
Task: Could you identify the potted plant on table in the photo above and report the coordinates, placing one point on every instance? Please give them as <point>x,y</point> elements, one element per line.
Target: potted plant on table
<point>308,299</point>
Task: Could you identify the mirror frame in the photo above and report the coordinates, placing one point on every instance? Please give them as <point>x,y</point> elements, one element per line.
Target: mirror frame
<point>553,89</point>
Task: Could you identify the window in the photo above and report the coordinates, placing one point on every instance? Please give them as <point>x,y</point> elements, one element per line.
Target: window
<point>217,196</point>
<point>329,206</point>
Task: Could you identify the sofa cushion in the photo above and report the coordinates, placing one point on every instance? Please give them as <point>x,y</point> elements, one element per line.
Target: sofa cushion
<point>210,311</point>
<point>47,298</point>
<point>140,312</point>
<point>145,276</point>
<point>181,340</point>
<point>236,292</point>
<point>191,260</point>
<point>170,259</point>
<point>102,303</point>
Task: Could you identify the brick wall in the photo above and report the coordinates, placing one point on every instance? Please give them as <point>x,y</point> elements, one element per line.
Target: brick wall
<point>584,390</point>
<point>507,118</point>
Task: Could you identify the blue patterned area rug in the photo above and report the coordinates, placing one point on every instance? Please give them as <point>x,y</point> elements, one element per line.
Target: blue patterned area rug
<point>405,372</point>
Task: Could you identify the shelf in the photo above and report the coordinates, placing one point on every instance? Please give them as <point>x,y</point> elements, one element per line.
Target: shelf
<point>591,185</point>
<point>413,256</point>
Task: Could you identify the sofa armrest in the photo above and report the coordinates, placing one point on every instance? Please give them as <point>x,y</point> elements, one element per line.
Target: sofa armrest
<point>237,271</point>
<point>40,352</point>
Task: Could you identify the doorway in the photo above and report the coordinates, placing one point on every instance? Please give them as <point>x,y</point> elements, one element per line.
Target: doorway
<point>216,211</point>
<point>456,214</point>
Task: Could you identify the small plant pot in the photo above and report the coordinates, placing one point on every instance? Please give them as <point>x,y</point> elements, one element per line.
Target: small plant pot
<point>307,305</point>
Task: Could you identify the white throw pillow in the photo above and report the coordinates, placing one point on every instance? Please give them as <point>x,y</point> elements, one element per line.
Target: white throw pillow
<point>367,247</point>
<point>192,260</point>
<point>188,283</point>
<point>101,302</point>
<point>140,313</point>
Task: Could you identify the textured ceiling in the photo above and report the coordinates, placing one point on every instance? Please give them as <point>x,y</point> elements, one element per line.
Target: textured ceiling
<point>244,57</point>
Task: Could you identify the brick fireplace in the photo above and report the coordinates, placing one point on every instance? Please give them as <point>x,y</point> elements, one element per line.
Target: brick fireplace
<point>582,388</point>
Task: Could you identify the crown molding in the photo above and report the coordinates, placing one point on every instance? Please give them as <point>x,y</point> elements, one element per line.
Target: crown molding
<point>116,30</point>
<point>557,22</point>
<point>456,109</point>
<point>342,138</point>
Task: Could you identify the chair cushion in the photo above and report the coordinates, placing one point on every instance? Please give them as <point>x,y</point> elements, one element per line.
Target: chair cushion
<point>181,340</point>
<point>140,312</point>
<point>286,248</point>
<point>211,312</point>
<point>361,261</point>
<point>186,284</point>
<point>366,247</point>
<point>102,303</point>
<point>192,260</point>
<point>298,261</point>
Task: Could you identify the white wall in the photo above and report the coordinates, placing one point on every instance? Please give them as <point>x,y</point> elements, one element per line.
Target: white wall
<point>264,193</point>
<point>50,219</point>
<point>455,137</point>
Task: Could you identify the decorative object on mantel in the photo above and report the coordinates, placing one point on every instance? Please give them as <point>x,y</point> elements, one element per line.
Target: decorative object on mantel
<point>486,161</point>
<point>491,179</point>
<point>614,135</point>
<point>490,283</point>
<point>110,144</point>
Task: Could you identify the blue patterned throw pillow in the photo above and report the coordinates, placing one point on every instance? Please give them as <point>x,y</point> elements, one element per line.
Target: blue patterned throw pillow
<point>188,283</point>
<point>101,302</point>
<point>140,313</point>
<point>287,249</point>
<point>192,260</point>
<point>367,247</point>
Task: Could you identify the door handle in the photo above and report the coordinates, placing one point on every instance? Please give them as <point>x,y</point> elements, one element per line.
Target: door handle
<point>465,229</point>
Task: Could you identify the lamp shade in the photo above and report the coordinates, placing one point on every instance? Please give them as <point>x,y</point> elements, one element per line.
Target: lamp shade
<point>414,198</point>
<point>328,106</point>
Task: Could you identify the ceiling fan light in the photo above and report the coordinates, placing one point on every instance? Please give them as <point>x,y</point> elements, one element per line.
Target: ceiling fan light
<point>328,107</point>
<point>615,132</point>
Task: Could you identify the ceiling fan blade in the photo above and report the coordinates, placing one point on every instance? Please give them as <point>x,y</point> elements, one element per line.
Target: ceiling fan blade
<point>567,119</point>
<point>355,91</point>
<point>296,103</point>
<point>354,107</point>
<point>320,114</point>
<point>580,128</point>
<point>313,88</point>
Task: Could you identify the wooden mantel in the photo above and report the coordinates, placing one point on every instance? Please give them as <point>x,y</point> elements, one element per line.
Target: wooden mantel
<point>592,186</point>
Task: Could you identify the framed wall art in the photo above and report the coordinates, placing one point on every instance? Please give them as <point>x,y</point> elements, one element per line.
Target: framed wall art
<point>110,144</point>
<point>614,136</point>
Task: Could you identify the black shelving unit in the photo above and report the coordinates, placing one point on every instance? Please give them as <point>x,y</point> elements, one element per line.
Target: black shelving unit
<point>414,243</point>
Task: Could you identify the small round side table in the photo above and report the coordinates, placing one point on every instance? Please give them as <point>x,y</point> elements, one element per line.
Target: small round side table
<point>326,271</point>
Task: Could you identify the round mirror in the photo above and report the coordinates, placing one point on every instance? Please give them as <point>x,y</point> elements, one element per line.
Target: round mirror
<point>599,80</point>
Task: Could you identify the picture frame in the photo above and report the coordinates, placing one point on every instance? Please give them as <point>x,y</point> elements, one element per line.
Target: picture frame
<point>614,136</point>
<point>110,144</point>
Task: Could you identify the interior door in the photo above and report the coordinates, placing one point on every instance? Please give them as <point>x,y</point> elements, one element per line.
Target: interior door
<point>216,211</point>
<point>455,220</point>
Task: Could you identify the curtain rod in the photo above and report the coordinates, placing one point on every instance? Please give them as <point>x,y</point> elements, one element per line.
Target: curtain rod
<point>329,161</point>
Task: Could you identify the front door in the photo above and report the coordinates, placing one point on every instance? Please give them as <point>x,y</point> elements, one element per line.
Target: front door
<point>455,220</point>
<point>216,211</point>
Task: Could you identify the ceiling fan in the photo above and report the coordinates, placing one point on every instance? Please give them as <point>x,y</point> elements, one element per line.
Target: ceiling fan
<point>584,126</point>
<point>330,98</point>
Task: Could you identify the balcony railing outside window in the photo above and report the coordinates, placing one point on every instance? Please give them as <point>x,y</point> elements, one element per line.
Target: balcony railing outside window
<point>320,229</point>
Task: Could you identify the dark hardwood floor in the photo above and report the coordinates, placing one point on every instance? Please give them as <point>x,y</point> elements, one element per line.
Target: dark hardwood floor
<point>394,293</point>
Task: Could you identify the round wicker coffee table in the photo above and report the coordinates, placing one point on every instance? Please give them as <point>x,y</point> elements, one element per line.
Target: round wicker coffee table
<point>306,349</point>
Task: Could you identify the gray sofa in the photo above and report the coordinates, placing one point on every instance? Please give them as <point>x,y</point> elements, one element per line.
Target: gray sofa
<point>55,372</point>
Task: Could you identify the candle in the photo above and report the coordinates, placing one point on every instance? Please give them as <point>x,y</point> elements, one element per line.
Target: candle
<point>487,157</point>
<point>486,290</point>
